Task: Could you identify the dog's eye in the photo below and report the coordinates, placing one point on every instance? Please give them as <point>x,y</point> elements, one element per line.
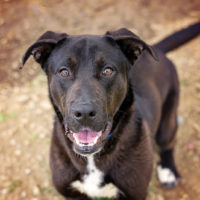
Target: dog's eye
<point>64,72</point>
<point>108,71</point>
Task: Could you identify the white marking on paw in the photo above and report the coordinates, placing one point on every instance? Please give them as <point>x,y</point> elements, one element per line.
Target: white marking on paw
<point>91,184</point>
<point>165,175</point>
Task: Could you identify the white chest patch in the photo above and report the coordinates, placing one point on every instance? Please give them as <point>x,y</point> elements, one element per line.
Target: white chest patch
<point>91,184</point>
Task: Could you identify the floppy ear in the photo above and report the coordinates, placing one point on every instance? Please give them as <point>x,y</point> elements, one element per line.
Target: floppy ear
<point>130,44</point>
<point>42,48</point>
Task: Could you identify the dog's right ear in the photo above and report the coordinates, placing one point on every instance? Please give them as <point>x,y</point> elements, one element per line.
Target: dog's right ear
<point>42,48</point>
<point>130,44</point>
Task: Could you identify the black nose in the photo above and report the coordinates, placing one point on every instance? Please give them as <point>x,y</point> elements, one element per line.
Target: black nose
<point>84,112</point>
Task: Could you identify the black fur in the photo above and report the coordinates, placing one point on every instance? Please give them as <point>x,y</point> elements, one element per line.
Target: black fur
<point>136,101</point>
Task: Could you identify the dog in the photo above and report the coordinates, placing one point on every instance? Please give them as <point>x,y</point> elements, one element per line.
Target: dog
<point>113,95</point>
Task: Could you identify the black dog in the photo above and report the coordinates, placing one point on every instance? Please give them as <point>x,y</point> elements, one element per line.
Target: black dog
<point>111,95</point>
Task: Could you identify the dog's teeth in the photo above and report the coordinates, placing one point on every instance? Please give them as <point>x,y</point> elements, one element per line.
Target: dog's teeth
<point>83,144</point>
<point>76,140</point>
<point>95,140</point>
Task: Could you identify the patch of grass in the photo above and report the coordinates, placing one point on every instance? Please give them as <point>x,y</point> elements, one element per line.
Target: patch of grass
<point>47,190</point>
<point>3,117</point>
<point>184,83</point>
<point>47,141</point>
<point>35,137</point>
<point>150,191</point>
<point>13,185</point>
<point>12,114</point>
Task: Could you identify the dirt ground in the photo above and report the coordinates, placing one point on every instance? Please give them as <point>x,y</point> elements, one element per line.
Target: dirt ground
<point>26,115</point>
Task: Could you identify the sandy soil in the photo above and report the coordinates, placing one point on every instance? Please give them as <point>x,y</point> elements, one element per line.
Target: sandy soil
<point>26,115</point>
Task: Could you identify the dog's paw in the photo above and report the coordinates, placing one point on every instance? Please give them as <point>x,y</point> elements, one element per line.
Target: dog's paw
<point>167,177</point>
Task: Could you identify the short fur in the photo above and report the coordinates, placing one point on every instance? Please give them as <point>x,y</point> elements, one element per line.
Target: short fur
<point>139,99</point>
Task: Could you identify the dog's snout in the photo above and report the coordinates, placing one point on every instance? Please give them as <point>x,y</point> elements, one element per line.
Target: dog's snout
<point>86,106</point>
<point>84,113</point>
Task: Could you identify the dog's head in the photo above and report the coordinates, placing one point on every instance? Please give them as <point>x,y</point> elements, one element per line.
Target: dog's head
<point>88,80</point>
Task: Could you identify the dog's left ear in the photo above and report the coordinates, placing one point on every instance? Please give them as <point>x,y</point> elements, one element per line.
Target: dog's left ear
<point>42,48</point>
<point>130,44</point>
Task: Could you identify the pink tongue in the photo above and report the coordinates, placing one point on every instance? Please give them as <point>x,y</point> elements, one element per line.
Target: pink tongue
<point>87,136</point>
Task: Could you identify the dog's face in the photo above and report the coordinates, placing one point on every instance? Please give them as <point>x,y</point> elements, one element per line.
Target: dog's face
<point>88,81</point>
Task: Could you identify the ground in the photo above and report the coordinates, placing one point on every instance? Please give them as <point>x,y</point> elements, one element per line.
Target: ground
<point>26,115</point>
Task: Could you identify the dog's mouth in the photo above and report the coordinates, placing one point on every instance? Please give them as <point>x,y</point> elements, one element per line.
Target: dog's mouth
<point>86,137</point>
<point>88,141</point>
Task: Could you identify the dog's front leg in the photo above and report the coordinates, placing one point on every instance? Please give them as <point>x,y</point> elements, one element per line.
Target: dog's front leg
<point>64,173</point>
<point>63,176</point>
<point>62,183</point>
